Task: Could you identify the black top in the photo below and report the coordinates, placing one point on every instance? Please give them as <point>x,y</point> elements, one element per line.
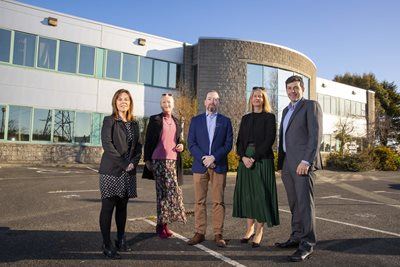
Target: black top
<point>125,184</point>
<point>118,151</point>
<point>258,129</point>
<point>153,133</point>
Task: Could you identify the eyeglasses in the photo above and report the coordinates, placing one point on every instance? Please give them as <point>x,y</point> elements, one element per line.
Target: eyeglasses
<point>167,94</point>
<point>259,88</point>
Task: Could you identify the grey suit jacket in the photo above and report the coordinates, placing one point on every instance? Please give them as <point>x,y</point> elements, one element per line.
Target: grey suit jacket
<point>303,135</point>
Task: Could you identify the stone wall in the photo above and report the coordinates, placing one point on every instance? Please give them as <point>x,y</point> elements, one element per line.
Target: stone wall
<point>222,66</point>
<point>48,153</point>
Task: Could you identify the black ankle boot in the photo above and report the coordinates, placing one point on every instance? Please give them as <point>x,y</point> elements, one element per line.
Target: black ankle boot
<point>121,245</point>
<point>110,252</point>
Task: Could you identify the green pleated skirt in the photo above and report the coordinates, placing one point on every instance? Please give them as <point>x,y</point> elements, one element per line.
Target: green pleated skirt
<point>255,194</point>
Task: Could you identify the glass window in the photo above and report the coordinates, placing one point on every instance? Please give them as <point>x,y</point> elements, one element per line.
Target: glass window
<point>86,60</point>
<point>172,75</point>
<point>146,69</point>
<point>353,108</point>
<point>24,49</point>
<point>254,76</point>
<point>270,82</point>
<point>113,69</point>
<point>347,107</point>
<point>327,104</point>
<point>5,43</point>
<point>320,99</point>
<point>96,128</point>
<point>47,53</point>
<point>82,127</point>
<point>341,105</point>
<point>2,120</point>
<point>19,123</point>
<point>130,68</point>
<point>363,106</point>
<point>160,73</point>
<point>63,125</point>
<point>67,57</point>
<point>333,105</point>
<point>41,125</point>
<point>358,108</point>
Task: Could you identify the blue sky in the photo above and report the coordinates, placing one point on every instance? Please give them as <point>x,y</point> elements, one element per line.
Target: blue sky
<point>340,36</point>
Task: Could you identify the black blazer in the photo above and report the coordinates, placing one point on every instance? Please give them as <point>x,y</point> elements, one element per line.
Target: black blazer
<point>154,130</point>
<point>115,145</point>
<point>264,136</point>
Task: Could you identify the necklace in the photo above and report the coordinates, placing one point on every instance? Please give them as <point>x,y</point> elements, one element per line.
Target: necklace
<point>168,121</point>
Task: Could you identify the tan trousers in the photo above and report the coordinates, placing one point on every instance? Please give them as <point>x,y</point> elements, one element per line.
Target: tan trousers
<point>218,182</point>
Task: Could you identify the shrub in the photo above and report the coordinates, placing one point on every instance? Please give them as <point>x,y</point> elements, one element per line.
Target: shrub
<point>385,159</point>
<point>187,159</point>
<point>350,162</point>
<point>233,161</point>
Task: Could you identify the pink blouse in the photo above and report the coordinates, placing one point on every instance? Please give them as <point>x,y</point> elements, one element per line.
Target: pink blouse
<point>166,145</point>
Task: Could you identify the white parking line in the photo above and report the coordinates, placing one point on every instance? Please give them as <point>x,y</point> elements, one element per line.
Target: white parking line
<point>353,225</point>
<point>205,249</point>
<point>357,200</point>
<point>386,192</point>
<point>74,191</point>
<point>92,169</point>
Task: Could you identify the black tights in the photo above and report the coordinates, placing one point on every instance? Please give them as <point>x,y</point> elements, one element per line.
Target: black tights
<point>107,208</point>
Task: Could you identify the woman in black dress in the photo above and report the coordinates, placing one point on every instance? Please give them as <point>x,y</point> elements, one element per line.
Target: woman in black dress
<point>255,196</point>
<point>122,152</point>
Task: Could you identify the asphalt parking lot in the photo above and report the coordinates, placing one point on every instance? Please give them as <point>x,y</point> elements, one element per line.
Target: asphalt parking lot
<point>49,216</point>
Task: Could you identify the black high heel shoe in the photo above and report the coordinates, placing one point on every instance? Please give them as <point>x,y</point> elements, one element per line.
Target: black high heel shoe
<point>110,252</point>
<point>255,244</point>
<point>246,240</point>
<point>122,246</point>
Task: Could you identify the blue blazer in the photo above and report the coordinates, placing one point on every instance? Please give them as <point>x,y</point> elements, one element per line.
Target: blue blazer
<point>199,143</point>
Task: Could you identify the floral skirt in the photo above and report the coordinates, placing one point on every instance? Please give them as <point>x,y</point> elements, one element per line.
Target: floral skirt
<point>169,195</point>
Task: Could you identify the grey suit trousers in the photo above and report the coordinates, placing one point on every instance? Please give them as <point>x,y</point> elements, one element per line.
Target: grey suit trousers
<point>300,194</point>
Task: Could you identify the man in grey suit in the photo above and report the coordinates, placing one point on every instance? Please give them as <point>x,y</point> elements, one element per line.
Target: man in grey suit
<point>299,141</point>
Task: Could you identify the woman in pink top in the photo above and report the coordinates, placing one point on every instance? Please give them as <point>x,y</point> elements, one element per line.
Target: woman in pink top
<point>163,163</point>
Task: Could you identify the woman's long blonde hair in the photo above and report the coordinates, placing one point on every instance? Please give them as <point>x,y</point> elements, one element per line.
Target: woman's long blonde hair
<point>266,105</point>
<point>129,113</point>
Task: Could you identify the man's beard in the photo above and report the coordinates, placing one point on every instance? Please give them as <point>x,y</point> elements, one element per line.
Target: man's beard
<point>211,108</point>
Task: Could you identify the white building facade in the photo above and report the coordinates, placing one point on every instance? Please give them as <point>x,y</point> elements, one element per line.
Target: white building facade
<point>58,74</point>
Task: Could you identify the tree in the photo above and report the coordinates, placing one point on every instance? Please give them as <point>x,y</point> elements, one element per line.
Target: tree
<point>186,106</point>
<point>387,103</point>
<point>343,133</point>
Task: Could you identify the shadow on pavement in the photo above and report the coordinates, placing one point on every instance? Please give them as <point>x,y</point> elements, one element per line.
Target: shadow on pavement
<point>19,245</point>
<point>368,246</point>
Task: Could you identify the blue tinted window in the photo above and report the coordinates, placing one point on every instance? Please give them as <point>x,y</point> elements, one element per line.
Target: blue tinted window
<point>96,128</point>
<point>5,41</point>
<point>41,125</point>
<point>82,127</point>
<point>47,53</point>
<point>160,73</point>
<point>86,60</point>
<point>24,49</point>
<point>3,110</point>
<point>172,75</point>
<point>254,76</point>
<point>146,69</point>
<point>130,68</point>
<point>67,57</point>
<point>19,123</point>
<point>63,125</point>
<point>113,64</point>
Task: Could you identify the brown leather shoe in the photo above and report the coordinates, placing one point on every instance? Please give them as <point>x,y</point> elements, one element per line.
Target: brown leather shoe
<point>196,239</point>
<point>219,241</point>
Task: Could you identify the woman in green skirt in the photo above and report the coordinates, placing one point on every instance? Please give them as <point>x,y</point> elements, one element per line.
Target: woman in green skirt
<point>255,196</point>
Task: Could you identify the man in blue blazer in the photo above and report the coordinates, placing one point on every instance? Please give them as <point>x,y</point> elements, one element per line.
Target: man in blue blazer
<point>209,142</point>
